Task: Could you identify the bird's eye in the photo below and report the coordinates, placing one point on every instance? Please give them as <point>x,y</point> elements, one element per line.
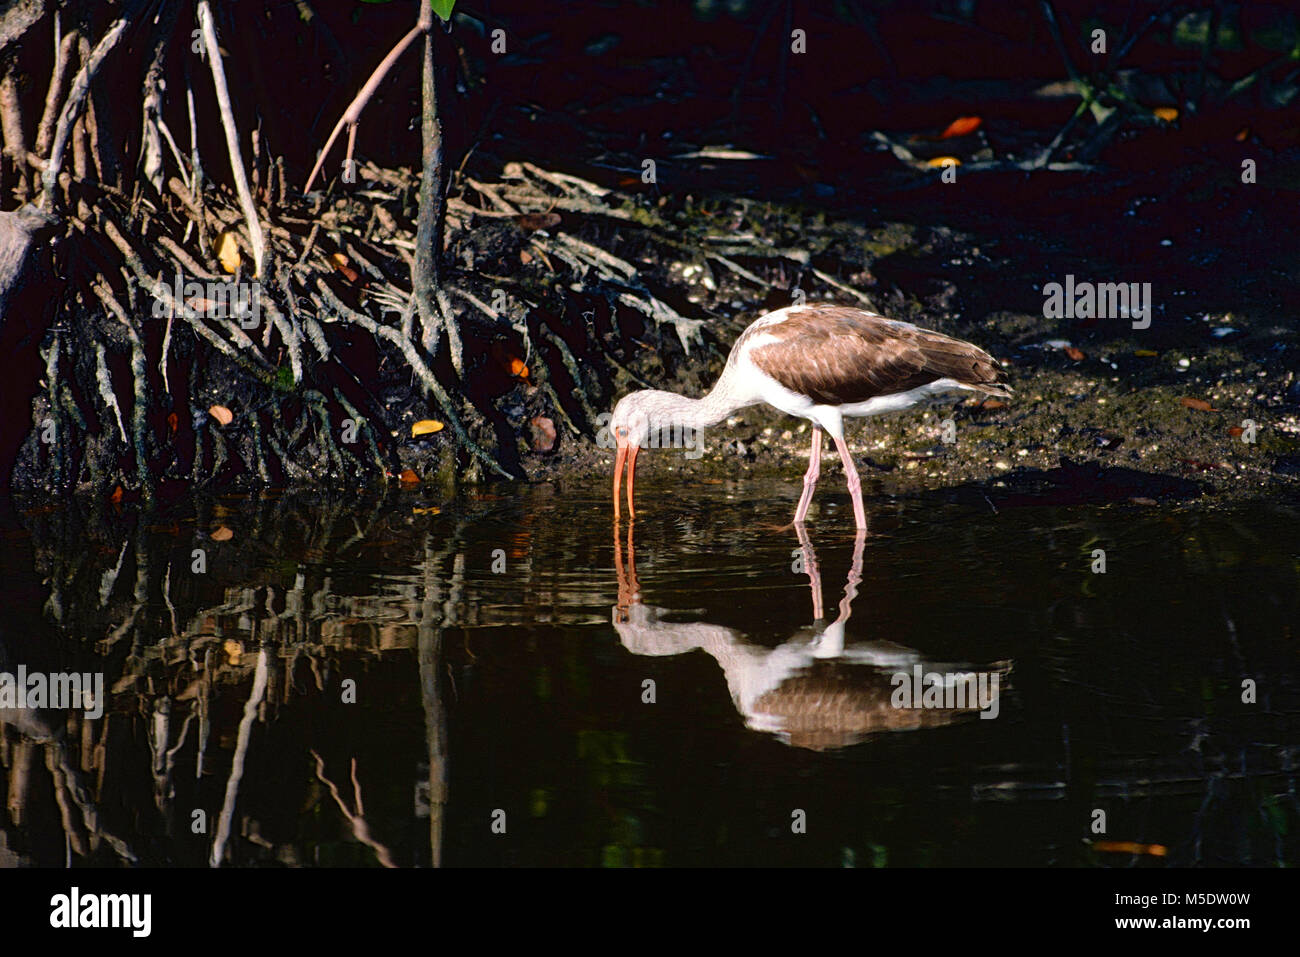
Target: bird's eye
<point>622,432</point>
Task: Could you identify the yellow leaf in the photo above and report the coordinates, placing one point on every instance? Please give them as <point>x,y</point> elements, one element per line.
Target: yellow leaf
<point>426,427</point>
<point>943,161</point>
<point>234,650</point>
<point>228,251</point>
<point>1166,113</point>
<point>1146,353</point>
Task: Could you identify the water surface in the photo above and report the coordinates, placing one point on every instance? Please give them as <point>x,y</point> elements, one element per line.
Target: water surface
<point>501,680</point>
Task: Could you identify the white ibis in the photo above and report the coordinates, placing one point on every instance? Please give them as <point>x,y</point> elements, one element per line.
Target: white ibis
<point>820,362</point>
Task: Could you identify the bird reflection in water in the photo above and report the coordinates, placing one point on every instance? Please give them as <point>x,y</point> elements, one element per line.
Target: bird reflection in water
<point>812,691</point>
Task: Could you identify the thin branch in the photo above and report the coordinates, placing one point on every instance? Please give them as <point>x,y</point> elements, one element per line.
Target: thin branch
<point>232,135</point>
<point>353,113</point>
<point>76,99</point>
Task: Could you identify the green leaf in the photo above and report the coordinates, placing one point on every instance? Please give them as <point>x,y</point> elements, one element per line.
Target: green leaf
<point>442,7</point>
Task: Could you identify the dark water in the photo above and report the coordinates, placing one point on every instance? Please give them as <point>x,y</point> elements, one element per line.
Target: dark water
<point>501,650</point>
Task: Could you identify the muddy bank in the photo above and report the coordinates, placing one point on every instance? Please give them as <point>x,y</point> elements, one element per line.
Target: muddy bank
<point>1201,401</point>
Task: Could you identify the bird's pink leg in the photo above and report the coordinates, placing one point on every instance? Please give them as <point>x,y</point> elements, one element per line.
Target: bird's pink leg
<point>811,570</point>
<point>855,483</point>
<point>810,477</point>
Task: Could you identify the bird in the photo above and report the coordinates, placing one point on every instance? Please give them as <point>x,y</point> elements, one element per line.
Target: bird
<point>820,362</point>
<point>813,690</point>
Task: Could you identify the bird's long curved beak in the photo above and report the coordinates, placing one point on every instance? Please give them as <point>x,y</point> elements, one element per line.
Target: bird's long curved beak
<point>626,453</point>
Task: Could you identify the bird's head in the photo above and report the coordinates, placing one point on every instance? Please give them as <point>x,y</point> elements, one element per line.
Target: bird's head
<point>630,423</point>
<point>630,426</point>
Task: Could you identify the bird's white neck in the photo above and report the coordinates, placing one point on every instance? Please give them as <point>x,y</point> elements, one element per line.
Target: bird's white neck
<point>674,409</point>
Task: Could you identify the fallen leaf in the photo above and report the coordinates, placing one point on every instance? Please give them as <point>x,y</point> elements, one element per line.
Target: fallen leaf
<point>543,434</point>
<point>1166,113</point>
<point>1073,353</point>
<point>172,422</point>
<point>222,534</point>
<point>1242,134</point>
<point>234,650</point>
<point>116,497</point>
<point>993,404</point>
<point>430,510</point>
<point>1199,405</point>
<point>1236,431</point>
<point>1145,353</point>
<point>221,414</point>
<point>1141,500</point>
<point>341,263</point>
<point>531,222</point>
<point>426,427</point>
<point>525,257</point>
<point>943,161</point>
<point>227,248</point>
<point>504,353</point>
<point>961,127</point>
<point>408,477</point>
<point>1130,847</point>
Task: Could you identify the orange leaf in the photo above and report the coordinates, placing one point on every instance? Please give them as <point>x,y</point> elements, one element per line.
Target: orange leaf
<point>116,497</point>
<point>1242,134</point>
<point>1236,431</point>
<point>222,534</point>
<point>408,477</point>
<point>221,414</point>
<point>1073,353</point>
<point>1200,405</point>
<point>943,161</point>
<point>505,354</point>
<point>341,263</point>
<point>525,257</point>
<point>960,127</point>
<point>1131,847</point>
<point>172,422</point>
<point>1166,113</point>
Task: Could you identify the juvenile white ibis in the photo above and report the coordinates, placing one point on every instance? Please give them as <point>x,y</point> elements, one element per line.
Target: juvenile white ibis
<point>820,362</point>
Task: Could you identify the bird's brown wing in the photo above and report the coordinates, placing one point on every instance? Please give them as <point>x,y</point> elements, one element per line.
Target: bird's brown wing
<point>837,355</point>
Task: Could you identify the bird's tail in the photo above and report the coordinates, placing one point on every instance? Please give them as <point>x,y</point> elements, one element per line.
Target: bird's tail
<point>999,389</point>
